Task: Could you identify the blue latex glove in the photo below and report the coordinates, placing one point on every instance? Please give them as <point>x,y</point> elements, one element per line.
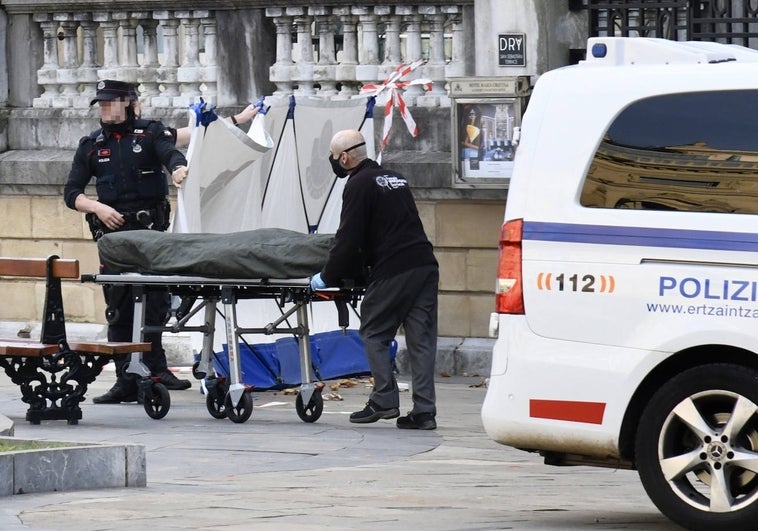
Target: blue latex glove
<point>259,104</point>
<point>198,108</point>
<point>203,115</point>
<point>317,283</point>
<point>208,116</point>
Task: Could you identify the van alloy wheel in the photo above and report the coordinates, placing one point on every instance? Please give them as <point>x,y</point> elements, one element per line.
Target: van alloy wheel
<point>697,448</point>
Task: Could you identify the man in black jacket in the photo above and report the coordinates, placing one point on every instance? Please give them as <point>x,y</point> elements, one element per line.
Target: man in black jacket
<point>381,238</point>
<point>126,156</point>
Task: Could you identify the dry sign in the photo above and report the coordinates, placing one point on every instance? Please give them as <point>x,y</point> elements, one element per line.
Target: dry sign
<point>511,49</point>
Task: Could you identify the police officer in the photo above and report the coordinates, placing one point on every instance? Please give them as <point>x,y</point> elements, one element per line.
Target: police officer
<point>126,156</point>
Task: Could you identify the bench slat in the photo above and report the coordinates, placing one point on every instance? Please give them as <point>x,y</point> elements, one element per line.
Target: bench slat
<point>109,347</point>
<point>26,348</point>
<point>37,267</point>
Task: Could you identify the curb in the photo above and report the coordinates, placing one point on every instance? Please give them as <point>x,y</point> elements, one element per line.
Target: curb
<point>7,427</point>
<point>75,466</point>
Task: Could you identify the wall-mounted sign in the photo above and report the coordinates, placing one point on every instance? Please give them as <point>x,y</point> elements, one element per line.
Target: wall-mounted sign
<point>485,132</point>
<point>511,49</point>
<point>488,86</point>
<point>486,117</point>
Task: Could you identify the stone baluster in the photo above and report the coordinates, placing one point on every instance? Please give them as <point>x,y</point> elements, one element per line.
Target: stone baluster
<point>345,71</point>
<point>368,69</point>
<point>148,76</point>
<point>209,70</point>
<point>434,68</point>
<point>188,74</point>
<point>46,75</point>
<point>87,74</point>
<point>303,70</point>
<point>324,72</point>
<point>413,51</point>
<point>457,65</point>
<point>167,72</point>
<point>392,51</point>
<point>129,70</point>
<point>280,73</point>
<point>109,29</point>
<point>67,74</point>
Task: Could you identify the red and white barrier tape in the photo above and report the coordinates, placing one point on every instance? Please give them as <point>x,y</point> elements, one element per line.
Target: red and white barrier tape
<point>395,99</point>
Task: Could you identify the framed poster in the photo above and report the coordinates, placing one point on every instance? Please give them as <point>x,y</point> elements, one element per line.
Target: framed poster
<point>486,134</point>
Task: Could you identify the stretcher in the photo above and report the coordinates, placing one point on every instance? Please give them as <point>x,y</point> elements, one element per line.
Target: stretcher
<point>228,398</point>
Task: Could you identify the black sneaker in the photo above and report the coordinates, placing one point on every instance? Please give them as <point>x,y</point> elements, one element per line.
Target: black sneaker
<point>117,394</point>
<point>173,383</point>
<point>372,413</point>
<point>419,421</point>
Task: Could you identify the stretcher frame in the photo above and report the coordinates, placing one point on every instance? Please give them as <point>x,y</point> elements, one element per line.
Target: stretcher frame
<point>203,294</point>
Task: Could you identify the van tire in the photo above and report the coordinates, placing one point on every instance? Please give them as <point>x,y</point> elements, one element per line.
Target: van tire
<point>705,396</point>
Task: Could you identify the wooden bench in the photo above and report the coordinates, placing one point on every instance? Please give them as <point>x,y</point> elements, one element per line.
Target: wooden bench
<point>53,373</point>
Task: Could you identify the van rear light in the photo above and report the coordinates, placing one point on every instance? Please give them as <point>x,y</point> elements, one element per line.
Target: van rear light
<point>509,293</point>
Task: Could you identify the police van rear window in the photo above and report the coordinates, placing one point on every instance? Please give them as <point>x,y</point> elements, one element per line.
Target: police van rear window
<point>695,152</point>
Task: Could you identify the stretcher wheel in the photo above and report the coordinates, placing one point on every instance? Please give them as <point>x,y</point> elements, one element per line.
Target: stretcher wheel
<point>214,401</point>
<point>199,375</point>
<point>157,401</point>
<point>242,411</point>
<point>311,412</point>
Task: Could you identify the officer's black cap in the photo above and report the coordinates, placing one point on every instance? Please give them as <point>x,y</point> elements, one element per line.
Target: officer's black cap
<point>109,89</point>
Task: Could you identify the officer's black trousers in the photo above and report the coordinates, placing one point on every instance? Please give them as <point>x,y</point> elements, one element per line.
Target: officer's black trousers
<point>157,306</point>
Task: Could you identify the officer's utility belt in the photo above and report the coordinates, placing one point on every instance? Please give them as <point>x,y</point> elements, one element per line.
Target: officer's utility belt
<point>157,218</point>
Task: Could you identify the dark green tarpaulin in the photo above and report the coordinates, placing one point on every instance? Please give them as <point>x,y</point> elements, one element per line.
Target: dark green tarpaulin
<point>261,253</point>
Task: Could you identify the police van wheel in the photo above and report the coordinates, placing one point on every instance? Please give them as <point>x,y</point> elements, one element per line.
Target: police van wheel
<point>697,448</point>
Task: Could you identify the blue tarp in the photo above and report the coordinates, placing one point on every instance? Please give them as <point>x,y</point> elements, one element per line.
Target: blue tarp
<point>277,365</point>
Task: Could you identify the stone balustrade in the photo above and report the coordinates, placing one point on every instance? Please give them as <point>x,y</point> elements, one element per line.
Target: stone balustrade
<point>173,55</point>
<point>359,45</point>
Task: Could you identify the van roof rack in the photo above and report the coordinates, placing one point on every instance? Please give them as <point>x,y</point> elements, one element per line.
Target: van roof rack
<point>617,51</point>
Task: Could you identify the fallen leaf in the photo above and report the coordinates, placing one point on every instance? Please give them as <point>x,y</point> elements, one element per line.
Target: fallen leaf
<point>482,383</point>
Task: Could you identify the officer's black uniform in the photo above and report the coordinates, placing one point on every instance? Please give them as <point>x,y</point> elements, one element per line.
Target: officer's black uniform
<point>127,162</point>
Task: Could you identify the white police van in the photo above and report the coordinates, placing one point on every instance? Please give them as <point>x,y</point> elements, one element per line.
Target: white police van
<point>627,289</point>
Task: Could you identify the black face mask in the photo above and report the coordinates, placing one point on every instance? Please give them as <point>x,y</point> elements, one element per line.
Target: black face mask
<point>338,170</point>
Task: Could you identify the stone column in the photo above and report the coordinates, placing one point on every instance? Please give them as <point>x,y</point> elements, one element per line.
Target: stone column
<point>368,70</point>
<point>87,74</point>
<point>391,28</point>
<point>280,72</point>
<point>209,71</point>
<point>434,68</point>
<point>303,70</point>
<point>166,73</point>
<point>129,70</point>
<point>324,73</point>
<point>188,74</point>
<point>47,74</point>
<point>4,89</point>
<point>109,29</point>
<point>148,76</point>
<point>413,52</point>
<point>457,65</point>
<point>67,75</point>
<point>345,71</point>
